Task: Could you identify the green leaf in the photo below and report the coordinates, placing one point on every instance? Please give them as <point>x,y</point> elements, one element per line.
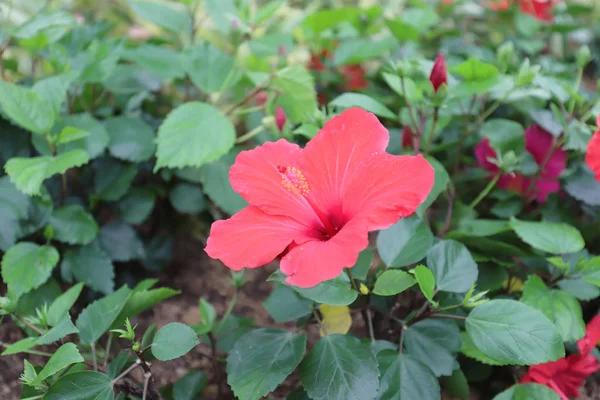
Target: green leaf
<point>579,288</point>
<point>53,25</point>
<point>63,328</point>
<point>261,360</point>
<point>475,70</point>
<point>121,242</point>
<point>284,305</point>
<point>131,139</point>
<point>411,91</point>
<point>404,243</point>
<point>137,205</point>
<point>578,135</point>
<point>469,349</point>
<point>453,266</point>
<point>426,281</point>
<point>66,355</point>
<point>20,346</point>
<point>208,315</point>
<point>70,134</point>
<point>528,391</point>
<point>392,282</point>
<point>334,292</point>
<point>141,301</point>
<point>510,332</point>
<point>113,178</point>
<point>94,143</point>
<point>347,100</point>
<point>173,341</point>
<point>193,134</point>
<point>208,67</point>
<point>117,363</point>
<point>404,376</point>
<point>222,13</point>
<point>26,266</point>
<point>298,97</point>
<point>504,134</point>
<point>157,60</point>
<point>456,385</point>
<point>98,317</point>
<point>26,108</point>
<point>218,187</point>
<point>340,367</point>
<point>441,179</point>
<point>187,198</point>
<point>555,238</point>
<point>356,50</point>
<point>560,307</point>
<point>435,343</point>
<point>54,89</point>
<point>90,265</point>
<point>62,304</point>
<point>28,174</point>
<point>328,18</point>
<point>73,225</point>
<point>584,187</point>
<point>83,385</point>
<point>189,386</point>
<point>360,270</point>
<point>170,16</point>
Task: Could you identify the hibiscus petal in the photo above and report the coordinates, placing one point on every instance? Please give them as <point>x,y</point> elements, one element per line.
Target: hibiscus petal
<point>538,142</point>
<point>335,155</point>
<point>592,336</point>
<point>543,188</point>
<point>484,152</point>
<point>388,188</point>
<point>592,158</point>
<point>252,238</point>
<point>316,261</point>
<point>256,177</point>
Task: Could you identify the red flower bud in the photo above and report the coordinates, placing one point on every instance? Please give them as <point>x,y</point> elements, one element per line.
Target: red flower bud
<point>280,118</point>
<point>407,137</point>
<point>439,74</point>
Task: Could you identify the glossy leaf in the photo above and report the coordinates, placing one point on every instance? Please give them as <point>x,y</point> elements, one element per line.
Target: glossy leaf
<point>404,243</point>
<point>27,266</point>
<point>173,341</point>
<point>73,225</point>
<point>453,266</point>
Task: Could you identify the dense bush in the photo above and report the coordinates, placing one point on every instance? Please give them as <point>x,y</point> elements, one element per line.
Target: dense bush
<point>461,131</point>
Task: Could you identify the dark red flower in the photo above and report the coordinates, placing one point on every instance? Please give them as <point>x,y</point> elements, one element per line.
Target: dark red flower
<point>407,137</point>
<point>439,74</point>
<point>354,77</point>
<point>538,143</point>
<point>323,199</point>
<point>566,375</point>
<point>592,157</point>
<point>280,118</point>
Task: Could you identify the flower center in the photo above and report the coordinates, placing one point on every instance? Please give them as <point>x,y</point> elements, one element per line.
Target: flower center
<point>294,181</point>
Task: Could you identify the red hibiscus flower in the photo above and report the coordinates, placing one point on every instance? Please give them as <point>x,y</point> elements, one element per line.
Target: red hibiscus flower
<point>566,375</point>
<point>319,202</point>
<point>439,74</point>
<point>592,157</point>
<point>354,77</point>
<point>538,143</point>
<point>540,9</point>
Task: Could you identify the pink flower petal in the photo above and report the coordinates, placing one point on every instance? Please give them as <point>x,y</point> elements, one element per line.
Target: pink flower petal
<point>538,142</point>
<point>592,157</point>
<point>252,238</point>
<point>316,261</point>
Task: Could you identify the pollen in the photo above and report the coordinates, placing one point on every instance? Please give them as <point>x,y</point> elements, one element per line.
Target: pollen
<point>293,180</point>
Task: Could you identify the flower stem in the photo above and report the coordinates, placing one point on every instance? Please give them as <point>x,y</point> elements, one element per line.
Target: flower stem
<point>448,316</point>
<point>247,136</point>
<point>576,86</point>
<point>227,312</point>
<point>352,282</point>
<point>485,191</point>
<point>432,131</point>
<point>409,106</point>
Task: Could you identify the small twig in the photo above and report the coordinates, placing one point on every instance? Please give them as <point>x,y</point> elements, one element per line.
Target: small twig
<point>432,131</point>
<point>216,366</point>
<point>321,327</point>
<point>413,118</point>
<point>29,324</point>
<point>352,282</point>
<point>370,324</point>
<point>227,312</point>
<point>94,360</point>
<point>486,190</point>
<point>250,95</point>
<point>250,135</point>
<point>401,341</point>
<point>147,377</point>
<point>448,316</point>
<point>127,371</point>
<point>107,356</point>
<point>448,220</point>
